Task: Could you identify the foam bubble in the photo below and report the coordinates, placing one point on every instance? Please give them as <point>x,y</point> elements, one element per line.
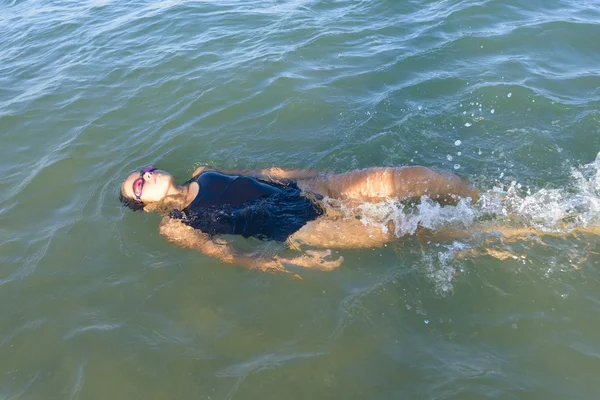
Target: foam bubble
<point>550,209</point>
<point>544,209</point>
<point>427,213</point>
<point>442,267</point>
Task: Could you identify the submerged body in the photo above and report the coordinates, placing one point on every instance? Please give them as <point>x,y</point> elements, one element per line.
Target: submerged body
<point>280,205</point>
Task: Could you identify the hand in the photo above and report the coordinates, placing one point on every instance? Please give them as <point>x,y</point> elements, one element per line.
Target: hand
<point>274,172</point>
<point>314,259</point>
<point>201,169</point>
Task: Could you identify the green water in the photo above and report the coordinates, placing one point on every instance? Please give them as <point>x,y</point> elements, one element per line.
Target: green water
<point>95,304</point>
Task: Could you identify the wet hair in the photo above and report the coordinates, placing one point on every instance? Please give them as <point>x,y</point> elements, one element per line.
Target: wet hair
<point>132,204</point>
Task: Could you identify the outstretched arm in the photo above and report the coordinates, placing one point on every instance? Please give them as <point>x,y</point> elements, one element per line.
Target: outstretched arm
<point>273,174</point>
<point>183,235</point>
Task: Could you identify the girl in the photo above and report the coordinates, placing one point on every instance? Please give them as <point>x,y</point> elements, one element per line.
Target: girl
<point>291,206</point>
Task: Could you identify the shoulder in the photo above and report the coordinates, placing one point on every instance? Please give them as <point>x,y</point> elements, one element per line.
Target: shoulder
<point>201,173</point>
<point>202,169</point>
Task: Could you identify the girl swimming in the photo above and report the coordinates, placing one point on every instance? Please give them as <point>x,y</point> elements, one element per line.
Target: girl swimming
<point>292,206</point>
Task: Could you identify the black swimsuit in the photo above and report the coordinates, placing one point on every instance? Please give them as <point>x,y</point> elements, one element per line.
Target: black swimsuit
<point>241,205</point>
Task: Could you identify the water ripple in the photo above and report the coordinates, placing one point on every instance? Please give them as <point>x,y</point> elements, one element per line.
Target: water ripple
<point>90,91</point>
<point>242,371</point>
<point>94,327</point>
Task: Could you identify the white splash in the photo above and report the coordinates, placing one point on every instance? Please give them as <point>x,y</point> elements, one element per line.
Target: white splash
<point>442,267</point>
<point>406,219</point>
<point>544,209</point>
<point>556,210</point>
<point>551,209</point>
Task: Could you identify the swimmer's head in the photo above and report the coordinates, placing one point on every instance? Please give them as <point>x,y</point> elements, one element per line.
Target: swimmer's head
<point>148,186</point>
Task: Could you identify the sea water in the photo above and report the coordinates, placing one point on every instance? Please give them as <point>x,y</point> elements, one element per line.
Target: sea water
<point>94,303</point>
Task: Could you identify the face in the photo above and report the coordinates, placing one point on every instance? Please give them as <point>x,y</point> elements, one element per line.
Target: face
<point>149,185</point>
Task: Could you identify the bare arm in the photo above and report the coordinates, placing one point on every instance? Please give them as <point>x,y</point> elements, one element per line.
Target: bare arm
<point>183,235</point>
<point>202,169</point>
<point>272,174</point>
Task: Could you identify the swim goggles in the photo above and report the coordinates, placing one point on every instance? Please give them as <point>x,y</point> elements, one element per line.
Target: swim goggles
<point>138,184</point>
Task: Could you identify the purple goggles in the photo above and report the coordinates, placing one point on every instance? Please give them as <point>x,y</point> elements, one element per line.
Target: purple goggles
<point>138,184</point>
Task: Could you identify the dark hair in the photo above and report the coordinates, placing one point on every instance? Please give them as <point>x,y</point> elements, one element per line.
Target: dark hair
<point>132,204</point>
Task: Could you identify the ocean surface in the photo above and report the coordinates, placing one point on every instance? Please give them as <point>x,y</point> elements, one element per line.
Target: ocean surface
<point>95,304</point>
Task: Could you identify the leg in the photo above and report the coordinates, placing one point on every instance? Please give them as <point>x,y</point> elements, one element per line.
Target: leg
<point>353,234</point>
<point>340,234</point>
<point>377,184</point>
<point>505,232</point>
